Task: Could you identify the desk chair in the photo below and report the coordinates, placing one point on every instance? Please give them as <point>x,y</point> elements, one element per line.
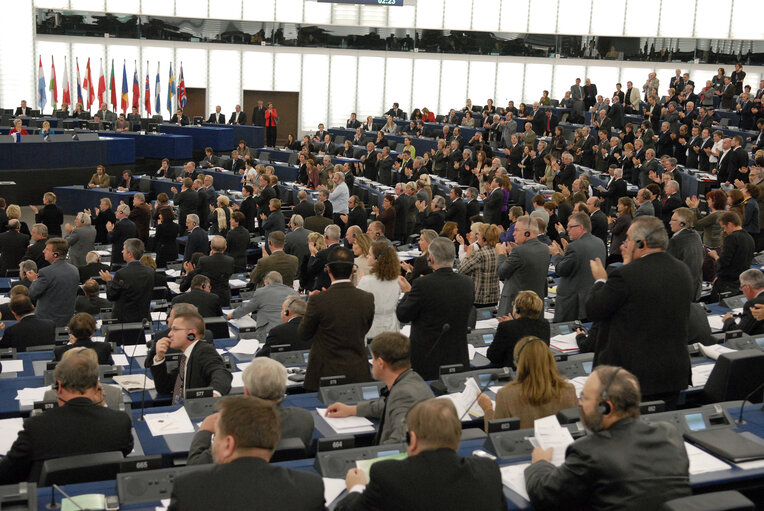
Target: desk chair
<point>81,469</point>
<point>717,501</point>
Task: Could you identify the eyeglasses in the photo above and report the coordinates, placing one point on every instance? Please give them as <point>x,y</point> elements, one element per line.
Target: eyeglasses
<point>173,329</point>
<point>570,226</point>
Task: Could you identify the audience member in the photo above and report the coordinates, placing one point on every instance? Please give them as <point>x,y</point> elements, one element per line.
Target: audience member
<point>197,238</point>
<point>237,242</point>
<point>286,334</point>
<point>81,328</point>
<point>81,238</point>
<point>120,231</point>
<point>35,250</point>
<point>751,284</point>
<point>131,286</point>
<point>218,267</point>
<point>525,319</point>
<point>93,267</point>
<point>29,330</point>
<point>383,282</point>
<point>266,304</point>
<point>200,295</point>
<point>54,288</point>
<point>91,302</point>
<point>278,260</point>
<point>13,245</point>
<point>735,257</point>
<point>50,215</point>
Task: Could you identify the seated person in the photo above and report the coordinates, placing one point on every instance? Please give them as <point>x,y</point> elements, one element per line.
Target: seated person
<point>539,389</point>
<point>206,302</point>
<point>100,179</point>
<point>526,319</point>
<point>246,434</point>
<point>5,309</point>
<point>752,285</point>
<point>433,476</point>
<point>77,427</point>
<point>292,311</point>
<point>112,394</point>
<point>93,267</point>
<point>177,308</point>
<point>128,183</point>
<point>30,330</point>
<point>179,118</point>
<point>391,364</point>
<point>81,328</point>
<point>91,302</point>
<point>623,463</point>
<point>264,378</point>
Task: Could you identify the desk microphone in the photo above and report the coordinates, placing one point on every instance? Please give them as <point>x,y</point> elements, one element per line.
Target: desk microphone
<point>492,378</point>
<point>446,327</point>
<point>742,405</point>
<point>54,505</point>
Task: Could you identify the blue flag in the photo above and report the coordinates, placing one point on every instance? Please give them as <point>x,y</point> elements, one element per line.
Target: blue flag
<point>158,108</point>
<point>170,90</point>
<point>42,98</point>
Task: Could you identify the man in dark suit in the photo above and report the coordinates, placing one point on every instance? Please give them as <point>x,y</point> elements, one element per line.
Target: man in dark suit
<point>337,320</point>
<point>197,238</point>
<point>457,210</point>
<point>671,202</point>
<point>248,207</point>
<point>303,207</point>
<point>13,245</point>
<point>265,193</point>
<point>29,330</point>
<point>638,290</point>
<point>473,206</point>
<point>241,468</point>
<point>187,201</point>
<point>179,118</point>
<point>218,267</point>
<point>296,242</point>
<point>752,285</point>
<point>35,250</point>
<point>131,286</point>
<point>90,302</point>
<point>140,215</point>
<point>567,172</point>
<point>598,218</point>
<point>493,202</point>
<point>442,294</point>
<point>23,110</point>
<point>200,365</point>
<point>728,94</point>
<point>616,188</point>
<point>594,475</point>
<point>396,112</point>
<point>318,221</point>
<point>78,426</point>
<point>119,232</point>
<point>686,246</point>
<point>430,217</point>
<point>258,114</point>
<point>292,312</point>
<point>444,480</point>
<point>217,117</point>
<point>128,182</point>
<point>385,167</point>
<point>735,257</point>
<point>237,116</point>
<point>237,242</point>
<point>92,268</point>
<point>278,260</point>
<point>200,295</point>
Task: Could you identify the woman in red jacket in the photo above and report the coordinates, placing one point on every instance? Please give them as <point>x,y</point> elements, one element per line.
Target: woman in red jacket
<point>271,121</point>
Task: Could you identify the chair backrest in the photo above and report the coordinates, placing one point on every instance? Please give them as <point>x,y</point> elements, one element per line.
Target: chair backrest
<point>81,468</point>
<point>289,449</point>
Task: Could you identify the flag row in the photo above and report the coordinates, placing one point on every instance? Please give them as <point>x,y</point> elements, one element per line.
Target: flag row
<point>88,93</point>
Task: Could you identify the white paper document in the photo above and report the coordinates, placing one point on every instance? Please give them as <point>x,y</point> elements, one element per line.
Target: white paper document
<point>406,330</point>
<point>169,423</point>
<point>134,382</point>
<point>578,382</point>
<point>30,395</point>
<point>700,374</point>
<point>702,462</point>
<point>548,433</point>
<point>715,350</point>
<point>513,477</point>
<point>466,400</point>
<point>120,360</point>
<point>333,487</point>
<point>173,273</point>
<point>174,287</point>
<point>244,322</point>
<point>487,323</point>
<point>9,430</point>
<point>565,342</point>
<point>715,321</point>
<point>135,350</point>
<point>237,379</point>
<point>347,425</point>
<point>13,366</point>
<point>237,283</point>
<point>246,347</point>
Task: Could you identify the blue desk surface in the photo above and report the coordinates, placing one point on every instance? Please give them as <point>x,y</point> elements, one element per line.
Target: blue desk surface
<point>73,199</point>
<point>219,138</point>
<point>72,153</point>
<point>254,136</point>
<point>162,145</point>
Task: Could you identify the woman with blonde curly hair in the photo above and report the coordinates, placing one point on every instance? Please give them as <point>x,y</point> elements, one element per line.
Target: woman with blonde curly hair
<point>382,282</point>
<point>220,217</point>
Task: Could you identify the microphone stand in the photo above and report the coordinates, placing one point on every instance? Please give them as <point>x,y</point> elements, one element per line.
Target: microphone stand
<point>742,405</point>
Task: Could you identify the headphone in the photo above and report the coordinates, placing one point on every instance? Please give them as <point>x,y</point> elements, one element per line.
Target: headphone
<point>55,254</point>
<point>604,407</point>
<point>641,243</point>
<point>682,224</point>
<point>527,234</point>
<point>517,357</point>
<point>191,337</point>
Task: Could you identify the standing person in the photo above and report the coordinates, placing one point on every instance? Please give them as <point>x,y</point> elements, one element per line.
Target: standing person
<point>81,238</point>
<point>638,290</point>
<point>258,114</point>
<point>442,294</point>
<point>131,286</point>
<point>382,282</point>
<point>271,123</point>
<point>119,232</point>
<point>166,238</point>
<point>218,267</point>
<point>337,320</point>
<point>50,215</point>
<point>104,214</point>
<point>686,246</point>
<point>735,257</point>
<point>55,287</point>
<point>481,265</point>
<point>140,214</point>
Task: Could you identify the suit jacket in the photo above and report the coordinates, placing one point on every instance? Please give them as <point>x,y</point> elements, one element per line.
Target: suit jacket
<point>646,208</point>
<point>748,323</point>
<point>728,96</point>
<point>187,202</point>
<point>131,290</point>
<point>241,119</point>
<point>508,333</point>
<point>77,427</point>
<point>317,223</point>
<point>595,476</point>
<point>337,320</point>
<point>91,270</point>
<point>616,189</point>
<point>457,212</point>
<point>123,230</point>
<point>237,242</point>
<point>197,242</point>
<point>655,351</point>
<point>30,331</point>
<point>92,305</point>
<point>576,276</point>
<point>141,217</point>
<point>266,304</point>
<point>55,291</point>
<point>81,241</point>
<point>216,118</point>
<point>304,209</point>
<point>433,298</point>
<point>249,209</point>
<point>208,304</point>
<point>285,333</point>
<point>13,245</point>
<point>204,368</point>
<point>526,267</point>
<point>52,216</point>
<point>248,483</point>
<point>183,119</point>
<point>492,207</point>
<point>687,247</point>
<point>296,244</point>
<point>102,349</point>
<point>34,253</point>
<point>443,480</point>
<point>278,261</point>
<point>599,225</point>
<point>218,267</point>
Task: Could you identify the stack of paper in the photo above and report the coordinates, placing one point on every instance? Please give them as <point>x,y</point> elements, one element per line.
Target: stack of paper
<point>174,287</point>
<point>134,382</point>
<point>714,350</point>
<point>406,330</point>
<point>701,461</point>
<point>565,342</point>
<point>513,477</point>
<point>13,366</point>
<point>548,433</point>
<point>347,425</point>
<point>466,400</point>
<point>365,465</point>
<point>237,283</point>
<point>9,429</point>
<point>170,423</point>
<point>700,374</point>
<point>472,350</point>
<point>237,379</point>
<point>246,347</point>
<point>30,395</point>
<point>715,321</point>
<point>333,487</point>
<point>487,323</point>
<point>120,360</point>
<point>244,322</point>
<point>578,382</point>
<point>173,273</point>
<point>135,350</point>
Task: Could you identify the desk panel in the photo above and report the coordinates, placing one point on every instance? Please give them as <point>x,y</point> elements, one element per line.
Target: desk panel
<point>72,153</point>
<point>254,136</point>
<point>74,199</point>
<point>163,145</point>
<point>219,138</point>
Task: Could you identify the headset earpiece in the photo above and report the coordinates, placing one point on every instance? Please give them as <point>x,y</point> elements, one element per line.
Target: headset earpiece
<point>527,234</point>
<point>55,254</point>
<point>682,224</point>
<point>604,407</point>
<point>640,243</point>
<point>191,337</point>
<point>517,358</point>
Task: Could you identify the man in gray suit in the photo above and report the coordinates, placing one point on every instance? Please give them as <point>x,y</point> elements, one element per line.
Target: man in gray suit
<point>391,364</point>
<point>266,379</point>
<point>266,304</point>
<point>687,246</point>
<point>571,262</point>
<point>522,266</point>
<point>577,95</point>
<point>55,287</point>
<point>81,238</point>
<point>296,242</point>
<point>649,164</point>
<point>644,202</point>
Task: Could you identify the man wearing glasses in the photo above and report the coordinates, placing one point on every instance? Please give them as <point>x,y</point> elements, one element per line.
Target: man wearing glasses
<point>199,366</point>
<point>752,285</point>
<point>571,260</point>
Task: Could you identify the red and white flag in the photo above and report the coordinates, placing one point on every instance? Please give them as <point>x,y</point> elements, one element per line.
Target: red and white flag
<point>101,88</point>
<point>66,95</point>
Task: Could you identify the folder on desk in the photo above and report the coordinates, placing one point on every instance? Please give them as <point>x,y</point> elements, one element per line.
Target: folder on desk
<point>727,444</point>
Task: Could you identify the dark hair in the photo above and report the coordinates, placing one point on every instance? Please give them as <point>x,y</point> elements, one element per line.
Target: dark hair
<point>251,421</point>
<point>392,347</point>
<point>730,217</point>
<point>339,261</point>
<point>82,325</point>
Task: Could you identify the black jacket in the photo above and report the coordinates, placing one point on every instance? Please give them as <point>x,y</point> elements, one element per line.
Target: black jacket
<point>285,333</point>
<point>204,368</point>
<point>131,290</point>
<point>102,349</point>
<point>30,331</point>
<point>208,304</point>
<point>218,267</point>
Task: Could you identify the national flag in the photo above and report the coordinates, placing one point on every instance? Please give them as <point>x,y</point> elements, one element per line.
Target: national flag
<point>101,88</point>
<point>42,98</point>
<point>157,102</point>
<point>147,95</point>
<point>136,89</point>
<point>89,87</point>
<point>53,86</point>
<point>66,96</point>
<point>182,89</point>
<point>123,103</point>
<point>79,88</point>
<point>113,88</point>
<point>170,90</point>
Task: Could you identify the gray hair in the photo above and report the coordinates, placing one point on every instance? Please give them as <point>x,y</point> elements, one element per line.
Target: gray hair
<point>297,220</point>
<point>273,277</point>
<point>332,232</point>
<point>193,218</point>
<point>753,277</point>
<point>77,373</point>
<point>428,235</point>
<point>650,230</point>
<point>184,308</point>
<point>140,197</point>
<point>124,209</point>
<point>134,246</point>
<point>265,378</point>
<point>528,223</point>
<point>92,257</point>
<point>674,185</point>
<point>42,229</point>
<point>442,251</point>
<point>28,265</point>
<point>296,304</point>
<point>618,173</point>
<point>472,191</point>
<point>439,201</point>
<point>83,218</point>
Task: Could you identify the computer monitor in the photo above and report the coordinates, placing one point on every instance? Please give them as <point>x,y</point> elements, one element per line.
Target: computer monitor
<point>153,127</point>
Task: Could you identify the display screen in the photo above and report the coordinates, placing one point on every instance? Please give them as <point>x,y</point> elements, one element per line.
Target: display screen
<point>695,421</point>
<point>759,341</point>
<point>587,366</point>
<point>370,392</point>
<point>484,378</point>
<point>488,338</point>
<point>305,356</point>
<point>382,454</point>
<point>564,329</point>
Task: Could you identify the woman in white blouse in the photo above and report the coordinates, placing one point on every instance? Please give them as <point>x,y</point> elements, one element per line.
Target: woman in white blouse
<point>383,282</point>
